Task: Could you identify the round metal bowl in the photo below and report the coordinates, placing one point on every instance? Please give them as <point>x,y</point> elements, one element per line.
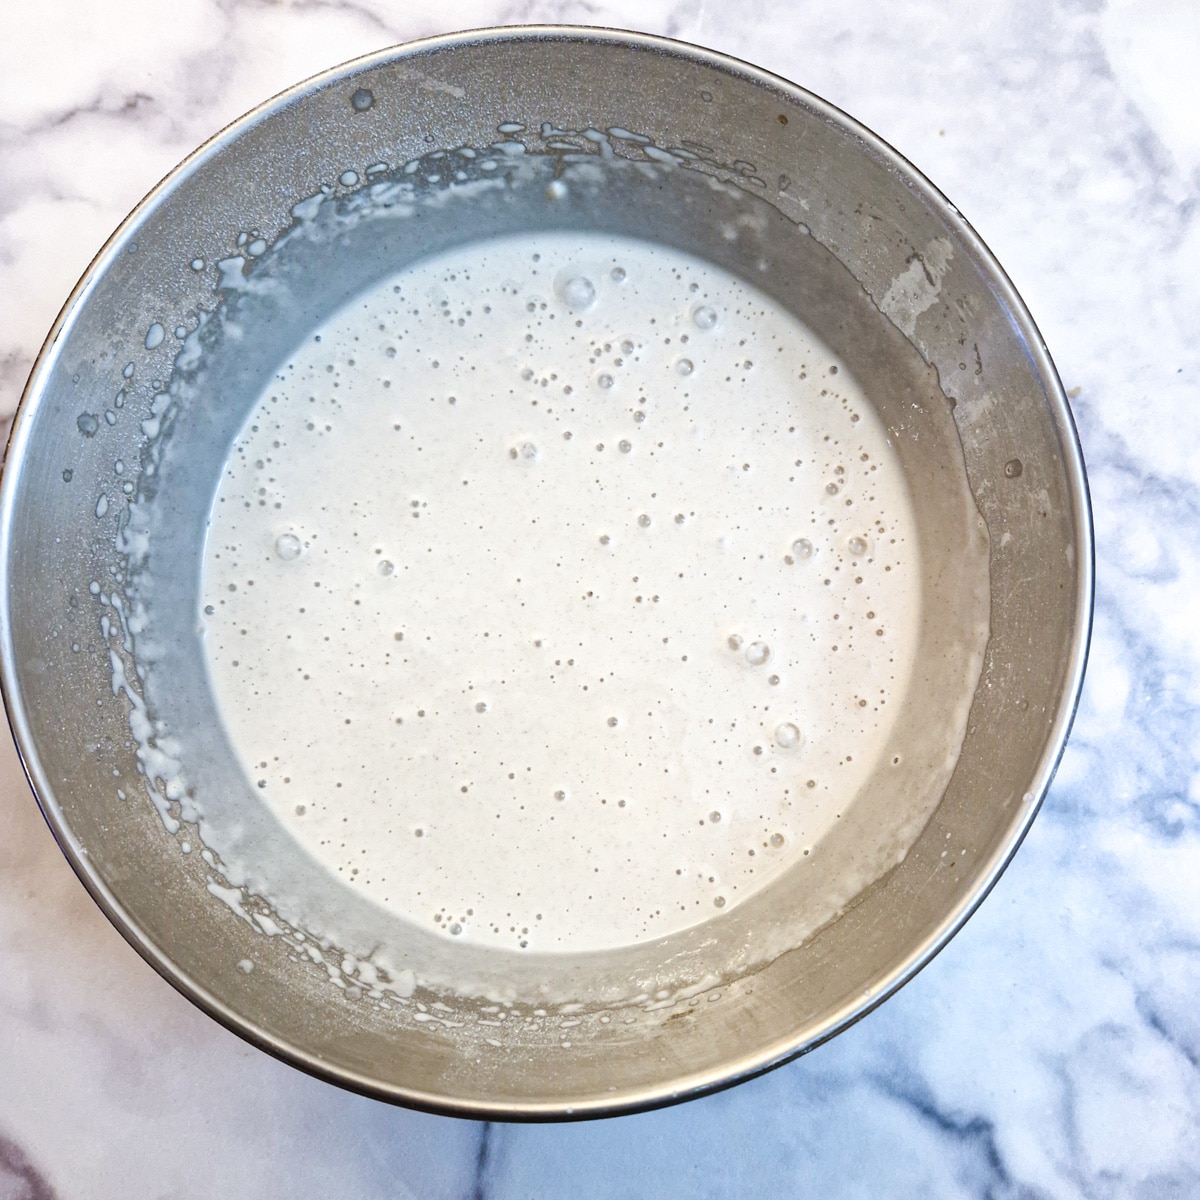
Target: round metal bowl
<point>878,262</point>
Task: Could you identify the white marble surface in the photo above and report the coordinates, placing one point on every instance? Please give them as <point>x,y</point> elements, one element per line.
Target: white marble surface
<point>1053,1050</point>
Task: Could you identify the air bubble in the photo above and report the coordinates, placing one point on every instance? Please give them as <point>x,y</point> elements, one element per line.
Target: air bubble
<point>857,546</point>
<point>714,817</point>
<point>577,292</point>
<point>788,736</point>
<point>777,840</point>
<point>735,641</point>
<point>481,706</point>
<point>1013,468</point>
<point>361,100</point>
<point>757,653</point>
<point>385,566</point>
<point>617,274</point>
<point>605,380</point>
<point>455,928</point>
<point>684,366</point>
<point>560,794</point>
<point>644,520</point>
<point>704,316</point>
<point>288,546</point>
<point>802,549</point>
<point>719,901</point>
<point>154,336</point>
<point>624,445</point>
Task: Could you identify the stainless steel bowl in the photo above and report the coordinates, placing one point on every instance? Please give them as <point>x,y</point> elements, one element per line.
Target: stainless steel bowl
<point>877,261</point>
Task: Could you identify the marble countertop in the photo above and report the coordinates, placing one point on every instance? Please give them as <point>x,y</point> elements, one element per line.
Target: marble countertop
<point>1053,1049</point>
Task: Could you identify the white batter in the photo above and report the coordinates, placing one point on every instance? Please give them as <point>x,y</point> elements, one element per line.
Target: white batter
<point>559,592</point>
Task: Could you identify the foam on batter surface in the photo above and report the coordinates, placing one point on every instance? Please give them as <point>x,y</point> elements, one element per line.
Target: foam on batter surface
<point>560,592</point>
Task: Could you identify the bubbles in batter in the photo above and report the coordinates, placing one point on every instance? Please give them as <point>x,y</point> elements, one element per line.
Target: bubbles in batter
<point>577,292</point>
<point>757,653</point>
<point>788,736</point>
<point>288,546</point>
<point>496,570</point>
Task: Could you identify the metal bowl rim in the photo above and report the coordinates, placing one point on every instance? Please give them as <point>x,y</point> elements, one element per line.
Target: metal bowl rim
<point>686,1086</point>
